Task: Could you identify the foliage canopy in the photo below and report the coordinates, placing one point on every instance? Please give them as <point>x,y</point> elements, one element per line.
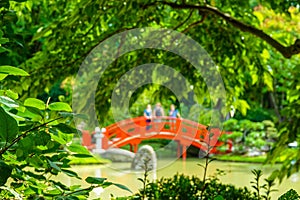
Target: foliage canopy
<point>255,45</point>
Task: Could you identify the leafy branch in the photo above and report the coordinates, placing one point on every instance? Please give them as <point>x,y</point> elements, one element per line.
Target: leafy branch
<point>267,186</point>
<point>207,162</point>
<point>184,21</point>
<point>17,139</point>
<point>144,180</point>
<point>286,51</point>
<point>86,190</point>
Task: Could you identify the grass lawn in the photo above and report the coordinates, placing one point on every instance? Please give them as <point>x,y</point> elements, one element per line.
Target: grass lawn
<point>241,158</point>
<point>256,159</point>
<point>96,160</point>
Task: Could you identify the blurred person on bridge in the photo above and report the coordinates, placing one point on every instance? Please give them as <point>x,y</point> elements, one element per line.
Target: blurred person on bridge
<point>148,116</point>
<point>173,113</point>
<point>158,113</point>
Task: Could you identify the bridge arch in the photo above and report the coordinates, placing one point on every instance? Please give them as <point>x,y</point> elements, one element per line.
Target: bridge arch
<point>185,132</point>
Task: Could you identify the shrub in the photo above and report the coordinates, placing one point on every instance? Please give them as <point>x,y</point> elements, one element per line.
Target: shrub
<point>185,187</point>
<point>290,195</point>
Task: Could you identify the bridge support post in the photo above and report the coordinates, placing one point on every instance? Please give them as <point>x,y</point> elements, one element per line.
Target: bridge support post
<point>130,147</point>
<point>184,148</point>
<point>178,149</point>
<point>134,147</point>
<point>181,150</point>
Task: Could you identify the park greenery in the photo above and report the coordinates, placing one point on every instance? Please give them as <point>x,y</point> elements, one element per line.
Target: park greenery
<point>249,136</point>
<point>255,45</point>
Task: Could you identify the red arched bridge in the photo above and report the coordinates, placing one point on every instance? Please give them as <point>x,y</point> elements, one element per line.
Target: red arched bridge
<point>134,130</point>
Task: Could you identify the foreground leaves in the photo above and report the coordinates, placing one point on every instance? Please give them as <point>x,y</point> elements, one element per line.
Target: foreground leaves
<point>9,70</point>
<point>8,128</point>
<point>39,137</point>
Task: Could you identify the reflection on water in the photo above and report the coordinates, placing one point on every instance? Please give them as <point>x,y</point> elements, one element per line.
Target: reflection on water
<point>238,174</point>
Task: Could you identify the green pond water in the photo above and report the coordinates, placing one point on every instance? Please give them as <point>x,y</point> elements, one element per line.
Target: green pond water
<point>238,174</point>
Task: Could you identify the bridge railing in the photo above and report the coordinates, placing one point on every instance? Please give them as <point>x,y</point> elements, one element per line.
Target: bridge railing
<point>178,126</point>
<point>132,131</point>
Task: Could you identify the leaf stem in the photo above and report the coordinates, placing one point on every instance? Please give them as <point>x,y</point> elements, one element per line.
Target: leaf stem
<point>25,134</point>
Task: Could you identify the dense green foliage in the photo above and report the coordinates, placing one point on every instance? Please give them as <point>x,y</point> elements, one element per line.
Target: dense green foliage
<point>50,40</point>
<point>291,194</point>
<point>57,38</point>
<point>36,145</point>
<point>248,135</point>
<point>185,187</point>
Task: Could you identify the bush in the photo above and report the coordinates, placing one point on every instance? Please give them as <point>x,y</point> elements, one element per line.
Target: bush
<point>290,195</point>
<point>185,187</point>
<point>190,188</point>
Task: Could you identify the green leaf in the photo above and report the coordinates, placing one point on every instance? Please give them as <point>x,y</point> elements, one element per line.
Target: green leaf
<point>9,93</point>
<point>33,113</point>
<point>9,126</point>
<point>41,138</point>
<point>53,165</point>
<point>9,70</point>
<point>58,139</point>
<point>274,175</point>
<point>3,76</point>
<point>4,40</point>
<point>5,172</point>
<point>8,102</point>
<point>219,197</point>
<point>13,192</point>
<point>211,160</point>
<point>73,115</point>
<point>242,106</point>
<point>70,173</point>
<point>65,128</point>
<point>1,4</point>
<point>53,192</point>
<point>59,184</point>
<point>254,77</point>
<point>265,54</point>
<point>41,147</point>
<point>268,80</point>
<point>82,155</point>
<point>17,117</point>
<point>140,179</point>
<point>79,149</point>
<point>35,161</point>
<point>60,106</point>
<point>30,191</point>
<point>83,193</point>
<point>123,187</point>
<point>200,165</point>
<point>35,103</point>
<point>95,180</point>
<point>106,184</point>
<point>2,49</point>
<point>19,153</point>
<point>36,176</point>
<point>75,187</point>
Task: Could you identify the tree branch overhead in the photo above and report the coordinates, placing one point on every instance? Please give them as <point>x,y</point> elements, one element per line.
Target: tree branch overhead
<point>286,51</point>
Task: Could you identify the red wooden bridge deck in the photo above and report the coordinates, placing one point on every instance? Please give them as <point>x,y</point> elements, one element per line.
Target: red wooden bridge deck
<point>134,130</point>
